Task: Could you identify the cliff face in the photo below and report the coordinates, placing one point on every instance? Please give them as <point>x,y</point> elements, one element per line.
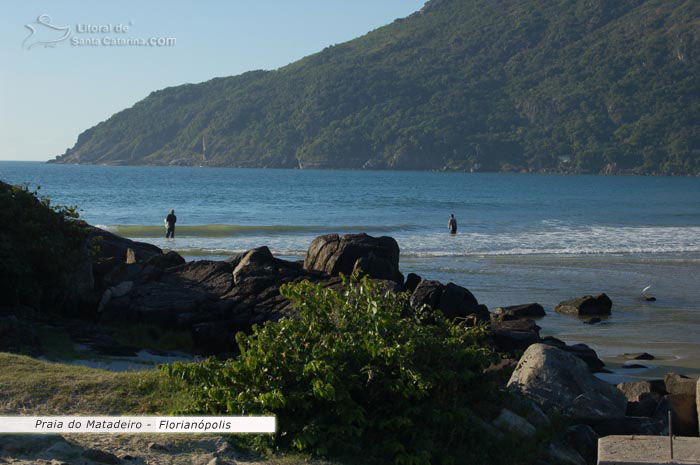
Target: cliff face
<point>576,85</point>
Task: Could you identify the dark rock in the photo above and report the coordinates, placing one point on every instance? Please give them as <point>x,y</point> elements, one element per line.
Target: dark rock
<point>427,293</point>
<point>592,321</point>
<point>633,365</point>
<point>638,356</point>
<point>458,302</point>
<point>519,311</point>
<point>454,301</point>
<point>514,334</point>
<point>212,276</point>
<point>553,341</point>
<point>679,384</point>
<point>513,423</point>
<point>586,306</point>
<point>110,245</point>
<point>629,426</point>
<point>101,456</point>
<point>645,405</point>
<point>584,440</point>
<point>561,381</point>
<point>168,260</point>
<point>582,351</point>
<point>684,413</point>
<point>588,355</point>
<point>159,303</point>
<point>634,390</point>
<point>650,299</point>
<point>156,446</point>
<point>377,257</point>
<point>563,454</point>
<point>412,281</point>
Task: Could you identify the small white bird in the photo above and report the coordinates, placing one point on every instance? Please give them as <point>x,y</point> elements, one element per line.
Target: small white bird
<point>646,289</point>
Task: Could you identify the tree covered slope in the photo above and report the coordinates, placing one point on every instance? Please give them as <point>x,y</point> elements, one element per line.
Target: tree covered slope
<point>575,85</point>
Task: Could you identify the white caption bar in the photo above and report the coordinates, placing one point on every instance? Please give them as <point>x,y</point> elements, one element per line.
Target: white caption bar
<point>89,424</point>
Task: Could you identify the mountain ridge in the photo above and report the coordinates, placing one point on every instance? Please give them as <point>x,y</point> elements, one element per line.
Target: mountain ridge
<point>502,85</point>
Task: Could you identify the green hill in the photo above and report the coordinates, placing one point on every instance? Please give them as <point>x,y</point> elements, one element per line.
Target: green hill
<point>566,85</point>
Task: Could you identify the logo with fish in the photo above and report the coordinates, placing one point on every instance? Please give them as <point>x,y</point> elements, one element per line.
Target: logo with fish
<point>43,32</point>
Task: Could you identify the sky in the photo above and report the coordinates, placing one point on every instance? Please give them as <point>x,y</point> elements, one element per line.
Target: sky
<point>61,74</point>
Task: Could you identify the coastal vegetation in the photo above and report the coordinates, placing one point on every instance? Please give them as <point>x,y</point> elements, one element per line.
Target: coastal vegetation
<point>509,85</point>
<point>40,245</point>
<point>358,372</point>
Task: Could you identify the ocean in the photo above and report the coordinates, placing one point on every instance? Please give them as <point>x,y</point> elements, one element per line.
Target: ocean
<point>522,238</point>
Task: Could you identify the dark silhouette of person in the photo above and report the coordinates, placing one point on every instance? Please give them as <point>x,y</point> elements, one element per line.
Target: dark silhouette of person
<point>452,224</point>
<point>170,221</point>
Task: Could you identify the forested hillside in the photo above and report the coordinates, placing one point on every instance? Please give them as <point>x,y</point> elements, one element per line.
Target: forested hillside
<point>538,85</point>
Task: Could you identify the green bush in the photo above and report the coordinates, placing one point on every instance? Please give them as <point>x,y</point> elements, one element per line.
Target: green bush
<point>39,244</point>
<point>356,372</point>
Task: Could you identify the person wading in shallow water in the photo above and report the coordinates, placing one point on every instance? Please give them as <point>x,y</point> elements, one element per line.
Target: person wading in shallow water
<point>170,221</point>
<point>452,224</point>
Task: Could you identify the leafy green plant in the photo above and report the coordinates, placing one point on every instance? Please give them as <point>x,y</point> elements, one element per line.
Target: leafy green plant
<point>40,244</point>
<point>356,372</point>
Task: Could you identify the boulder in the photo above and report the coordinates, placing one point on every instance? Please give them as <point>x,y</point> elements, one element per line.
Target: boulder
<point>634,390</point>
<point>519,311</point>
<point>159,303</point>
<point>164,261</point>
<point>561,381</point>
<point>679,384</point>
<point>513,335</point>
<point>378,257</point>
<point>583,352</point>
<point>259,263</point>
<point>212,276</point>
<point>454,301</point>
<point>412,281</point>
<point>110,245</point>
<point>645,405</point>
<point>638,356</point>
<point>683,408</point>
<point>584,440</point>
<point>563,454</point>
<point>509,421</point>
<point>586,306</point>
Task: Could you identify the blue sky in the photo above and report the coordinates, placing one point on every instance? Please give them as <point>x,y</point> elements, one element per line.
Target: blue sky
<point>49,94</point>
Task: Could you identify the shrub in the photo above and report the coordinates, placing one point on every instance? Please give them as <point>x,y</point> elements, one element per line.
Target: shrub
<point>39,244</point>
<point>356,372</point>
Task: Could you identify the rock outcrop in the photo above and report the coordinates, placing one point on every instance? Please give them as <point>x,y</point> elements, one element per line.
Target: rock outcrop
<point>454,301</point>
<point>586,306</point>
<point>560,381</point>
<point>515,312</point>
<point>377,257</point>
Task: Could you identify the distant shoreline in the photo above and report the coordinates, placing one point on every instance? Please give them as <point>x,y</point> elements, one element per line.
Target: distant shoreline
<point>435,170</point>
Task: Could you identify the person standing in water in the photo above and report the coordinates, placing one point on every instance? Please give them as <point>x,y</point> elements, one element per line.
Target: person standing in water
<point>452,224</point>
<point>170,221</point>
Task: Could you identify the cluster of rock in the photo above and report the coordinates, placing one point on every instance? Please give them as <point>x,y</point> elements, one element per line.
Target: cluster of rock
<point>136,283</point>
<point>550,380</point>
<point>130,282</point>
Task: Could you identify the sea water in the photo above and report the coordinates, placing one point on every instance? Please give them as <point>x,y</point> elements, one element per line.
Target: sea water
<point>521,238</point>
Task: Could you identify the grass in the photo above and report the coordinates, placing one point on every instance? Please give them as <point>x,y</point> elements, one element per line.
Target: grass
<point>34,387</point>
<point>30,386</point>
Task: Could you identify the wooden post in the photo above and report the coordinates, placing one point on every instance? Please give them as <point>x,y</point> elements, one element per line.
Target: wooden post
<point>670,432</point>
